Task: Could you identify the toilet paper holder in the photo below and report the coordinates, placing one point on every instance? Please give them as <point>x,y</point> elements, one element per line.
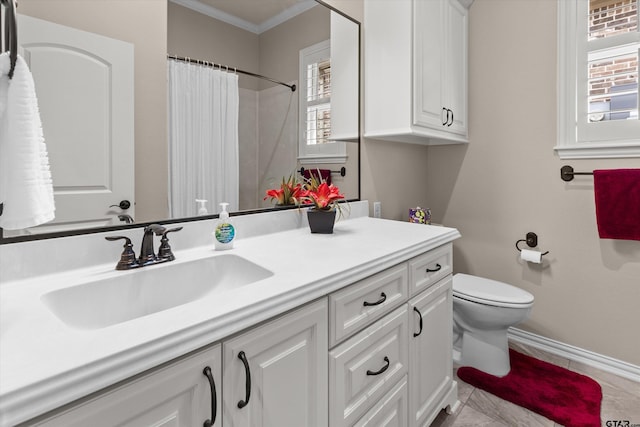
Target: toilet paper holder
<point>531,240</point>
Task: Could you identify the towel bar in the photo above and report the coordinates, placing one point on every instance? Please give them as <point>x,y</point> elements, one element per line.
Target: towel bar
<point>567,173</point>
<point>342,171</point>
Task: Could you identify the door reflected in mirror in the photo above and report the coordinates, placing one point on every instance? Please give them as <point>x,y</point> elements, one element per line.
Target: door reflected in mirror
<point>84,149</point>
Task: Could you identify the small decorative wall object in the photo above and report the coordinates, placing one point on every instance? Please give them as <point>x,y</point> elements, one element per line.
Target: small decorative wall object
<point>420,216</point>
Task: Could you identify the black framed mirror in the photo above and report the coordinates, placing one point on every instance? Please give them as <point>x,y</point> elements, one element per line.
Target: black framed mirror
<point>204,30</point>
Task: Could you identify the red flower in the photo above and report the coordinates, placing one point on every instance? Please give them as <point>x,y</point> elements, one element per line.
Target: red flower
<point>288,194</point>
<point>323,196</point>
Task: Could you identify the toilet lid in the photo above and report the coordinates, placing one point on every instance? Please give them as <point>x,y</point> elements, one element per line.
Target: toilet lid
<point>489,291</point>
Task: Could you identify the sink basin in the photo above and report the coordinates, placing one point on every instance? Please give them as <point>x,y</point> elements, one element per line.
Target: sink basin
<point>132,294</point>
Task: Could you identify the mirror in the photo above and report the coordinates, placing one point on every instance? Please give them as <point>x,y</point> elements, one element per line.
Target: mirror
<point>157,28</point>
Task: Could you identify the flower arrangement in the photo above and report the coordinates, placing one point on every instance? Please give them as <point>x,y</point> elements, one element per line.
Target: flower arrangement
<point>288,194</point>
<point>323,196</point>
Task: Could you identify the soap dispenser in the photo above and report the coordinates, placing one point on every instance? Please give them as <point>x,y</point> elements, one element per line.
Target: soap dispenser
<point>224,232</point>
<point>202,207</point>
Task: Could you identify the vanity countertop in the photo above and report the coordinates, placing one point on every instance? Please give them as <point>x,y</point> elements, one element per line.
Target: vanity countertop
<point>45,364</point>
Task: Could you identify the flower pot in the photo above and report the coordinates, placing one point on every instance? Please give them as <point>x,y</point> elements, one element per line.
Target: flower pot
<point>321,221</point>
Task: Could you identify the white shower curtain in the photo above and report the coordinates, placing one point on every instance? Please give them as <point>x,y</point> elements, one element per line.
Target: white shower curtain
<point>203,138</point>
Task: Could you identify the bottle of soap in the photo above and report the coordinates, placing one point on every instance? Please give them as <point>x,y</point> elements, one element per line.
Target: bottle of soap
<point>202,206</point>
<point>224,232</point>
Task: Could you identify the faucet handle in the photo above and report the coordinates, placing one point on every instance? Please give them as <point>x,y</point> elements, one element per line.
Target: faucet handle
<point>164,252</point>
<point>128,258</point>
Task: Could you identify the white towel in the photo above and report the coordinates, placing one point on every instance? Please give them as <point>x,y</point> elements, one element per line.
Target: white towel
<point>26,188</point>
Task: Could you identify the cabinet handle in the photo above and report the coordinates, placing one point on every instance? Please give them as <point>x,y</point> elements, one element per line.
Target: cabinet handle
<point>214,407</point>
<point>383,298</point>
<point>438,268</point>
<point>419,314</point>
<point>384,368</point>
<point>247,371</point>
<point>445,118</point>
<point>451,121</point>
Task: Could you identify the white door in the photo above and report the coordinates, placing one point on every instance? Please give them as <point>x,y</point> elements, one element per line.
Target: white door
<point>276,374</point>
<point>84,84</point>
<point>430,358</point>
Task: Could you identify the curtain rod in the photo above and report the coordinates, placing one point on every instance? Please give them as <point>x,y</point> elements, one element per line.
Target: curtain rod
<point>235,70</point>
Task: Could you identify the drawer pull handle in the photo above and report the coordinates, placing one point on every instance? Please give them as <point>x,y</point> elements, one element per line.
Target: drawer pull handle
<point>245,402</point>
<point>214,408</point>
<point>438,268</point>
<point>384,368</point>
<point>383,298</point>
<point>419,314</point>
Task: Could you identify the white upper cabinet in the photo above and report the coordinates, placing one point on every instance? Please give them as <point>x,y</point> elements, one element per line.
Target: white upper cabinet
<point>345,85</point>
<point>416,70</point>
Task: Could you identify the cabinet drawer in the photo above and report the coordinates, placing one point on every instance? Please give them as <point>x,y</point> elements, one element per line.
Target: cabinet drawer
<point>391,410</point>
<point>365,367</point>
<point>356,306</point>
<point>425,270</point>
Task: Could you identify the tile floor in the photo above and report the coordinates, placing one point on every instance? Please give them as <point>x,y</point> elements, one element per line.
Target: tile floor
<point>620,401</point>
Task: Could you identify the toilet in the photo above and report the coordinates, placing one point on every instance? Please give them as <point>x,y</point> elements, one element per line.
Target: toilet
<point>483,310</point>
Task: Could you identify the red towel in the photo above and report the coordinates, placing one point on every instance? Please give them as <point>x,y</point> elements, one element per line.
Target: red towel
<point>325,174</point>
<point>617,195</point>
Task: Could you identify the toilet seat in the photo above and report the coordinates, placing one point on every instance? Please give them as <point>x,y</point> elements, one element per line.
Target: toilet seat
<point>490,292</point>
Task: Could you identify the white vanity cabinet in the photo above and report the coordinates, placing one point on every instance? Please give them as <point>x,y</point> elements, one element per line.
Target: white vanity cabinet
<point>416,70</point>
<point>375,352</point>
<point>391,360</point>
<point>176,394</point>
<point>281,377</point>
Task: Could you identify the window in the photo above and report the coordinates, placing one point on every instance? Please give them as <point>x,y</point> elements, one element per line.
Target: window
<point>315,144</point>
<point>598,49</point>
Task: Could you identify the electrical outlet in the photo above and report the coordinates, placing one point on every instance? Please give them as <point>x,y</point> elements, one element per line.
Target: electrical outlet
<point>377,210</point>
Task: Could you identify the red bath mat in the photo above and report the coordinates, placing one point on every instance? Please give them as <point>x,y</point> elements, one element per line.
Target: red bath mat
<point>561,395</point>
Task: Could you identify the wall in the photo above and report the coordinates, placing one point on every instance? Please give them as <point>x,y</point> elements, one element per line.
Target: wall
<point>506,182</point>
<point>150,47</point>
<point>195,35</point>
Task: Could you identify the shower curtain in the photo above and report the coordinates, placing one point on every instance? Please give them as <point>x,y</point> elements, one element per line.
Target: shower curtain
<point>203,138</point>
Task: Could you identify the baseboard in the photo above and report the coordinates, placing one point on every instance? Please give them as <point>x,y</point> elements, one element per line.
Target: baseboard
<point>605,363</point>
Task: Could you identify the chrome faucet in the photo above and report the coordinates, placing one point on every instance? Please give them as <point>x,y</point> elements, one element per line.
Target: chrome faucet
<point>147,254</point>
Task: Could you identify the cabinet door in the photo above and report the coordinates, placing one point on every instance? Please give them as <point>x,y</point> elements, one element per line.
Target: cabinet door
<point>276,374</point>
<point>176,395</point>
<point>455,63</point>
<point>430,354</point>
<point>440,66</point>
<point>428,73</point>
